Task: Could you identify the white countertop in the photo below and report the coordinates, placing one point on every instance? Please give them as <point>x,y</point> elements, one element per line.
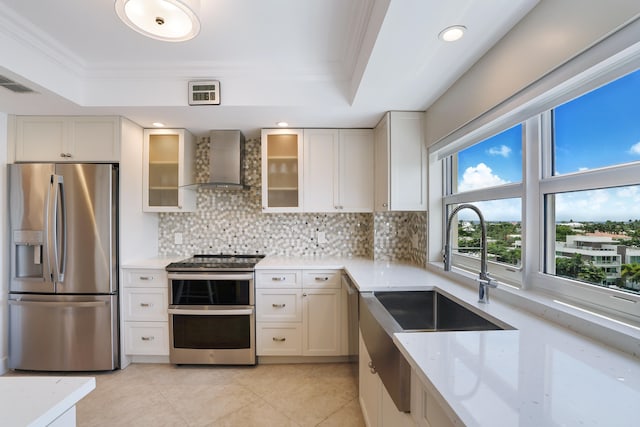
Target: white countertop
<point>154,263</point>
<point>38,401</point>
<point>540,374</point>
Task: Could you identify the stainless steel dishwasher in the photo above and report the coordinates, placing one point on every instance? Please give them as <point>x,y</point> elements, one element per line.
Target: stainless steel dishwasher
<point>352,313</point>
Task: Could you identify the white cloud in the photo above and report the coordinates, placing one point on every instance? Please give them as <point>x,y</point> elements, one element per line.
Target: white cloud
<point>502,150</point>
<point>480,176</point>
<point>635,149</point>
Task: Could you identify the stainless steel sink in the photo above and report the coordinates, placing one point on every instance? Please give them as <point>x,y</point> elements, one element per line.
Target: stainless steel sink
<point>431,311</point>
<point>384,313</point>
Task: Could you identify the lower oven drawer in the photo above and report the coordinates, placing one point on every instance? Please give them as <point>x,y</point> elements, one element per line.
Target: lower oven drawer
<point>279,339</point>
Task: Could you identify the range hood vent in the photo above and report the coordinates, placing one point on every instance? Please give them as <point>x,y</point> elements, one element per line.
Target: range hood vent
<point>226,160</point>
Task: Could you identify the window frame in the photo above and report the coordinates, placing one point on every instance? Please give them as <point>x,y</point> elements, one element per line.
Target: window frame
<point>538,241</point>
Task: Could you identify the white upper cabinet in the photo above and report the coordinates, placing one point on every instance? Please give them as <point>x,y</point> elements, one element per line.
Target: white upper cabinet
<point>67,139</point>
<point>400,162</point>
<point>282,170</point>
<point>168,168</point>
<point>338,170</point>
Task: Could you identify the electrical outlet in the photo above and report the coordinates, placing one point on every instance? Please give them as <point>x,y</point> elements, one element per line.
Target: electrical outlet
<point>177,238</point>
<point>322,237</point>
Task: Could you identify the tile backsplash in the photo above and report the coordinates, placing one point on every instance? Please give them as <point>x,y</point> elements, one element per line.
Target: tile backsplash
<point>228,221</point>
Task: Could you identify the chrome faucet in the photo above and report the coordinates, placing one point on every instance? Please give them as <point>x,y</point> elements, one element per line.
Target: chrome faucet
<point>484,280</point>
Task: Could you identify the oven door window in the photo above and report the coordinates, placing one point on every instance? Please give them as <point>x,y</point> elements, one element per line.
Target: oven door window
<point>210,292</point>
<point>211,332</point>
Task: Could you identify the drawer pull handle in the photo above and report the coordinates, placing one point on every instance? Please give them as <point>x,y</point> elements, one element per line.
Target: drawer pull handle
<point>145,304</point>
<point>279,339</point>
<point>144,278</point>
<point>322,279</point>
<point>279,279</point>
<point>147,338</point>
<point>278,305</point>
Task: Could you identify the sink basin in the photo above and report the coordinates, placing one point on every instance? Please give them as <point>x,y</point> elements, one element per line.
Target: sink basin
<point>431,311</point>
<point>384,313</point>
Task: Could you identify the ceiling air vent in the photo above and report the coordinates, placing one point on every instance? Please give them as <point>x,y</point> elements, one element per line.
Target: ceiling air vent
<point>204,92</point>
<point>13,86</point>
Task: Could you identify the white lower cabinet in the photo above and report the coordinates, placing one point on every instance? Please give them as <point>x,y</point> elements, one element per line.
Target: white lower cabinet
<point>299,313</point>
<point>377,406</point>
<point>426,411</point>
<point>144,309</point>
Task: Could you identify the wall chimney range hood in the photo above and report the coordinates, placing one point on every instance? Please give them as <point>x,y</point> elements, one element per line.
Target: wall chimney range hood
<point>226,160</point>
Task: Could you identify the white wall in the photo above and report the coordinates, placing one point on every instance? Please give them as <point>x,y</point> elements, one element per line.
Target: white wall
<point>138,230</point>
<point>4,242</point>
<point>551,34</point>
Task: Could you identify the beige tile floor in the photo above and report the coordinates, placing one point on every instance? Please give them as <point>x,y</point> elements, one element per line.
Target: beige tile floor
<point>265,395</point>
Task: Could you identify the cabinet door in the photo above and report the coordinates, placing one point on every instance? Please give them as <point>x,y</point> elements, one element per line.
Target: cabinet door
<point>381,167</point>
<point>408,157</point>
<point>40,139</point>
<point>369,388</point>
<point>282,170</point>
<point>355,171</point>
<point>168,168</point>
<point>321,151</point>
<point>95,139</point>
<point>321,322</point>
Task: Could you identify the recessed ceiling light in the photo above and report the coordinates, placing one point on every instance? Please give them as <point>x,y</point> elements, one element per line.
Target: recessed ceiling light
<point>167,20</point>
<point>453,33</point>
<point>158,124</point>
<point>282,124</point>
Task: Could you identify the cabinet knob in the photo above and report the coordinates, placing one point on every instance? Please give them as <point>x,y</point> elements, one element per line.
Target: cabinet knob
<point>372,368</point>
<point>278,305</point>
<point>147,338</point>
<point>384,205</point>
<point>279,339</point>
<point>304,295</point>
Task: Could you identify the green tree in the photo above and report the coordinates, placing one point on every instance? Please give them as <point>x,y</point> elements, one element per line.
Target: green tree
<point>631,273</point>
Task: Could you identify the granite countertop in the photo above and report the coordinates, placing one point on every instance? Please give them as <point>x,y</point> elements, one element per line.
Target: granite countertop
<point>38,401</point>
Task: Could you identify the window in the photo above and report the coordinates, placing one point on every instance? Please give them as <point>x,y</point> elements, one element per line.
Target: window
<point>592,192</point>
<point>560,193</point>
<point>488,175</point>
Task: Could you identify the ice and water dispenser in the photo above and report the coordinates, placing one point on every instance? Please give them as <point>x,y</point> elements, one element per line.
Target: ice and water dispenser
<point>27,254</point>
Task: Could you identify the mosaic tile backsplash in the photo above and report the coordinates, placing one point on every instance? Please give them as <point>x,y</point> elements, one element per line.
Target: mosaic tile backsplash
<point>228,221</point>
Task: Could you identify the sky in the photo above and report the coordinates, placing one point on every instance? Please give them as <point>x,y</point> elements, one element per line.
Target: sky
<point>599,129</point>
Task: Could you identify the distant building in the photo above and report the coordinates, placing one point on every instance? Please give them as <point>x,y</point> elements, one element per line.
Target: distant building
<point>601,251</point>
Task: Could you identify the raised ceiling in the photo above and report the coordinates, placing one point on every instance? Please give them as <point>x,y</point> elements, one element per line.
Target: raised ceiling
<point>312,63</point>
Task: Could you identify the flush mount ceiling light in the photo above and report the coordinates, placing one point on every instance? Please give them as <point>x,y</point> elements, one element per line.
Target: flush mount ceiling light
<point>282,124</point>
<point>453,33</point>
<point>167,20</point>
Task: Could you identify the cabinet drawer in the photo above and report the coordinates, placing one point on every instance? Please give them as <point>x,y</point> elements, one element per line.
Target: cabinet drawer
<point>147,338</point>
<point>274,305</point>
<point>321,279</point>
<point>145,304</point>
<point>278,279</point>
<point>279,339</point>
<point>145,278</point>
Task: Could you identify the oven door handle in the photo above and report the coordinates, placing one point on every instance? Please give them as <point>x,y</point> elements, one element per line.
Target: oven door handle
<point>212,312</point>
<point>210,276</point>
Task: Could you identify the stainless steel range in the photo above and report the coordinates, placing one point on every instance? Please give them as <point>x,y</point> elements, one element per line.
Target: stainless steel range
<point>212,310</point>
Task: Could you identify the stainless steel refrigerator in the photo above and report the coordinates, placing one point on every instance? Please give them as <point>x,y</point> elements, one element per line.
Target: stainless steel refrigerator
<point>63,290</point>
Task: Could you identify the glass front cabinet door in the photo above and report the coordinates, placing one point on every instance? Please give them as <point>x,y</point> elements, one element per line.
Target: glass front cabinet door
<point>282,170</point>
<point>169,160</point>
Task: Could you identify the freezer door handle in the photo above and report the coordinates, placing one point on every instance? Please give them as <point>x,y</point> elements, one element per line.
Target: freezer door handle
<point>57,227</point>
<point>87,304</point>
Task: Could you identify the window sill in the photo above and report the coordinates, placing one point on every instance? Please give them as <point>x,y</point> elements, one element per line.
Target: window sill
<point>622,335</point>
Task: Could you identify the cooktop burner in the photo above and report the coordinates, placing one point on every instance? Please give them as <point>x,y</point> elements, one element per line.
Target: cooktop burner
<point>219,262</point>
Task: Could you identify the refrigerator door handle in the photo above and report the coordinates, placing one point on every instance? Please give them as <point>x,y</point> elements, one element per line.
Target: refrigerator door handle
<point>88,304</point>
<point>57,212</point>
